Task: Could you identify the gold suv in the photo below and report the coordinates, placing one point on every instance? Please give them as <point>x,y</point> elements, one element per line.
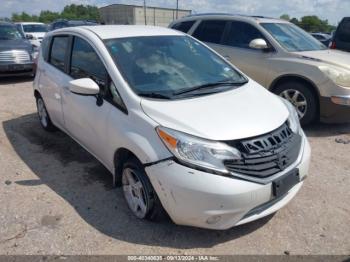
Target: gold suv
<point>283,58</point>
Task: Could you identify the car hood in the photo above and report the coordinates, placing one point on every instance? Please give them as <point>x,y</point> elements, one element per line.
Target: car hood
<point>36,34</point>
<point>333,57</point>
<point>15,44</point>
<point>243,112</point>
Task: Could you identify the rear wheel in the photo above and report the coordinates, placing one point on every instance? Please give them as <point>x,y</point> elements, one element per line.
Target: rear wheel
<point>302,98</point>
<point>43,115</point>
<point>139,193</point>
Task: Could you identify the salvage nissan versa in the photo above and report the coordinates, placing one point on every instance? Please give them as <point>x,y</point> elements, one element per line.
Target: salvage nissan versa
<point>177,126</point>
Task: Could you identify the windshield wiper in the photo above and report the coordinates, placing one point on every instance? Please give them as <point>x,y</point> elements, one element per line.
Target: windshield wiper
<point>220,83</point>
<point>154,95</point>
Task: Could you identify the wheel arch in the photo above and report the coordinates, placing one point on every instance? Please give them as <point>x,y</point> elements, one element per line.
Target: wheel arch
<point>121,155</point>
<point>297,78</point>
<point>37,93</point>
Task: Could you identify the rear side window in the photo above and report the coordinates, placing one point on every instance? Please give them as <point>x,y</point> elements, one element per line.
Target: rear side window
<point>241,34</point>
<point>58,51</point>
<point>210,31</point>
<point>86,63</point>
<point>44,47</point>
<point>344,31</point>
<point>183,26</point>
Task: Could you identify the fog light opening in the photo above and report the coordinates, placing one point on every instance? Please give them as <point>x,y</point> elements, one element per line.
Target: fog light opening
<point>213,220</point>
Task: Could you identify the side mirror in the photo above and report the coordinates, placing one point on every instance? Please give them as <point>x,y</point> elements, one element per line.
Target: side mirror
<point>84,86</point>
<point>258,43</point>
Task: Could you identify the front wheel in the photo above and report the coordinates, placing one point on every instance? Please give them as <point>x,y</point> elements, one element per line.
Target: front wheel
<point>302,98</point>
<point>139,193</point>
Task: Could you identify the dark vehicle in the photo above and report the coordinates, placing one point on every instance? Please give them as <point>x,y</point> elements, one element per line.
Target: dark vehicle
<point>323,38</point>
<point>341,38</point>
<point>70,23</point>
<point>16,52</point>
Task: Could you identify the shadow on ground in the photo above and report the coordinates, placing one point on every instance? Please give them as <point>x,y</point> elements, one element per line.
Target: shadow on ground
<point>71,172</point>
<point>15,79</point>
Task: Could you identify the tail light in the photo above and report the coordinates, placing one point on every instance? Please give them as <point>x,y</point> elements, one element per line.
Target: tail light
<point>332,45</point>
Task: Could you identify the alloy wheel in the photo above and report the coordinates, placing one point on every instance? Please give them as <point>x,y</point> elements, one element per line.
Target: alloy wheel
<point>297,99</point>
<point>134,193</point>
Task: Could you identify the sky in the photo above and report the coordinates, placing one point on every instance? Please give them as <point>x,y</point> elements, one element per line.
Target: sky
<point>333,10</point>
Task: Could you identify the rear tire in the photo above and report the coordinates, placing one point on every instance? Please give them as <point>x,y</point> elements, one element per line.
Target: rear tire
<point>139,192</point>
<point>302,98</point>
<point>43,115</point>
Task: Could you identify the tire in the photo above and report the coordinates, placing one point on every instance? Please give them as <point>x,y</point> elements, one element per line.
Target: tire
<point>303,99</point>
<point>43,115</point>
<point>139,193</point>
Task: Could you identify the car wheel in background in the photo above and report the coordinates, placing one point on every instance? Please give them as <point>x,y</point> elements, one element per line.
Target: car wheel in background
<point>43,115</point>
<point>302,98</point>
<point>139,193</point>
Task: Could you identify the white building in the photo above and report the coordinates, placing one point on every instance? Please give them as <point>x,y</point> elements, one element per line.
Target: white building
<point>134,15</point>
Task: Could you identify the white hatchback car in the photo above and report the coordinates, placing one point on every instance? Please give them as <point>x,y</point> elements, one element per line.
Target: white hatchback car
<point>176,125</point>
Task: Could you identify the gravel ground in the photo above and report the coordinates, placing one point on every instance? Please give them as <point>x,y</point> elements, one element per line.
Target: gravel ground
<point>55,198</point>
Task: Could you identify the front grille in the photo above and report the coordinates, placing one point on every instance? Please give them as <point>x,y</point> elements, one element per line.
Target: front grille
<point>14,56</point>
<point>266,155</point>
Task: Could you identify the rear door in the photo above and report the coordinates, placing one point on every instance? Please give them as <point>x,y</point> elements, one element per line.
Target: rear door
<point>53,78</point>
<point>342,35</point>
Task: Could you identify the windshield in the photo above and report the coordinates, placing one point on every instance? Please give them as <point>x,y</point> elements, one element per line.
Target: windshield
<point>170,65</point>
<point>293,38</point>
<point>34,28</point>
<point>9,32</point>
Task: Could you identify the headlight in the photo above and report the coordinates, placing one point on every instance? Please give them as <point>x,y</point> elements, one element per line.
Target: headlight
<point>35,52</point>
<point>338,75</point>
<point>197,151</point>
<point>293,119</point>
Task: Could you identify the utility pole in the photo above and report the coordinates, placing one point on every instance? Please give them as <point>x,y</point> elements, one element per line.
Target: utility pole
<point>177,8</point>
<point>144,11</point>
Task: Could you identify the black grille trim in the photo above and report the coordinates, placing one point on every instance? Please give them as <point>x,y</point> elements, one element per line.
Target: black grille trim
<point>266,155</point>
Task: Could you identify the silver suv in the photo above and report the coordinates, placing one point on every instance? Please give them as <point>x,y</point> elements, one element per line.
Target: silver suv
<point>281,57</point>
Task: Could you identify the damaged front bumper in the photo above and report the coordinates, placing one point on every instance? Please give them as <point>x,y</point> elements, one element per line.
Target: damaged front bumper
<point>196,198</point>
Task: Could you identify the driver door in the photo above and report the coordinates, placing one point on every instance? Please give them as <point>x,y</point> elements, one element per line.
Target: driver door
<point>235,48</point>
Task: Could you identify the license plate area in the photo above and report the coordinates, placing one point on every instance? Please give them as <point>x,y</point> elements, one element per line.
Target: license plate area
<point>283,184</point>
<point>16,67</point>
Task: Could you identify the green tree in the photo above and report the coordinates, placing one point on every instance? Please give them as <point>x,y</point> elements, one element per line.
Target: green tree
<point>285,17</point>
<point>48,16</point>
<point>294,21</point>
<point>87,12</point>
<point>23,17</point>
<point>72,11</point>
<point>314,24</point>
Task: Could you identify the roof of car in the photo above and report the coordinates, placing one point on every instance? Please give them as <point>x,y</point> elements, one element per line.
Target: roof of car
<point>255,18</point>
<point>30,23</point>
<point>120,31</point>
<point>6,23</point>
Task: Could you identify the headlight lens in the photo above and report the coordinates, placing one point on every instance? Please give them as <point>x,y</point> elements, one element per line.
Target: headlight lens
<point>197,151</point>
<point>35,51</point>
<point>338,75</point>
<point>293,119</point>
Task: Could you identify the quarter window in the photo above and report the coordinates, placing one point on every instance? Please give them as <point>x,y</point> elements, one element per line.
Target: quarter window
<point>58,51</point>
<point>210,31</point>
<point>183,26</point>
<point>241,34</point>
